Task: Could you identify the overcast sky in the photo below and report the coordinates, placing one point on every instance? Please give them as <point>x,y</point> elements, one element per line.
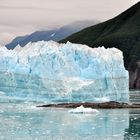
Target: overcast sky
<point>20,17</point>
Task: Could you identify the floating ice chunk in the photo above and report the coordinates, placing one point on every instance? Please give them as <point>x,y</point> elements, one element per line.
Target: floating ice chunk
<point>82,109</point>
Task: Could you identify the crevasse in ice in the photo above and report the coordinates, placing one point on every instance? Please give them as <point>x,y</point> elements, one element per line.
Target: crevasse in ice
<point>53,72</point>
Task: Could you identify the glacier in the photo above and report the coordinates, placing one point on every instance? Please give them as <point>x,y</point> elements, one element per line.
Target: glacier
<point>53,72</point>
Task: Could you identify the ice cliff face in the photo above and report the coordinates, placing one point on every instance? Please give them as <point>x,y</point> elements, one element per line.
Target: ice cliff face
<point>54,72</point>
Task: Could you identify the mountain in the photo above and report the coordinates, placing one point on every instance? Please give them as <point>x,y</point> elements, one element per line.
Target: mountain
<point>16,41</point>
<point>55,35</point>
<point>122,32</point>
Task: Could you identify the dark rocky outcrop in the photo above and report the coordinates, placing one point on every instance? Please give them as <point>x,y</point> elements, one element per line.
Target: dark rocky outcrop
<point>106,105</point>
<point>134,77</point>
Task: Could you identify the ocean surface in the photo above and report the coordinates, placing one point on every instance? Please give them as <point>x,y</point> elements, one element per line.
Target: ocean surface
<point>21,120</point>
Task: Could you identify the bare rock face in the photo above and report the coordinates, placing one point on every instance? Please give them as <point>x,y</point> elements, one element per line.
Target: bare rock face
<point>105,105</point>
<point>134,81</point>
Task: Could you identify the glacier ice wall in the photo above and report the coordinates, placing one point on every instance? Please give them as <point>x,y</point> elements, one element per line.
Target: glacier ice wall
<point>52,72</point>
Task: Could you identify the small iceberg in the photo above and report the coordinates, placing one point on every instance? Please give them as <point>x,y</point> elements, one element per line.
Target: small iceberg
<point>82,109</point>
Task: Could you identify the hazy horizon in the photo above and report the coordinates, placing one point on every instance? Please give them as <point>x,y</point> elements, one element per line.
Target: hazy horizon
<point>23,17</point>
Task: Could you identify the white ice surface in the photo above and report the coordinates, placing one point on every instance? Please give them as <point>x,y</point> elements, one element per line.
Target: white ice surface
<point>50,71</point>
<point>82,109</point>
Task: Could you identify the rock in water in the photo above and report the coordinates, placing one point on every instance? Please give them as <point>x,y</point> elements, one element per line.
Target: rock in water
<point>52,72</point>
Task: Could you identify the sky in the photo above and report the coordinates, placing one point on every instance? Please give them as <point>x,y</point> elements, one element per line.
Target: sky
<point>21,17</point>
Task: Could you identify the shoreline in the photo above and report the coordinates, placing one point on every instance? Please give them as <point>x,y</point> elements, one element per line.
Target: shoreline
<point>105,105</point>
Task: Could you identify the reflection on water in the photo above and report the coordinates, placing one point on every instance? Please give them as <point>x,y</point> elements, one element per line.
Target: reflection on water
<point>22,121</point>
<point>133,132</point>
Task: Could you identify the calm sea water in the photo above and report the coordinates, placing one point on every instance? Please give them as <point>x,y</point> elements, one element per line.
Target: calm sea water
<point>23,121</point>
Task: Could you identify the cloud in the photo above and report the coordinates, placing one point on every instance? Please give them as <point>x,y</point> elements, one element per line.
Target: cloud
<point>5,37</point>
<point>20,17</point>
